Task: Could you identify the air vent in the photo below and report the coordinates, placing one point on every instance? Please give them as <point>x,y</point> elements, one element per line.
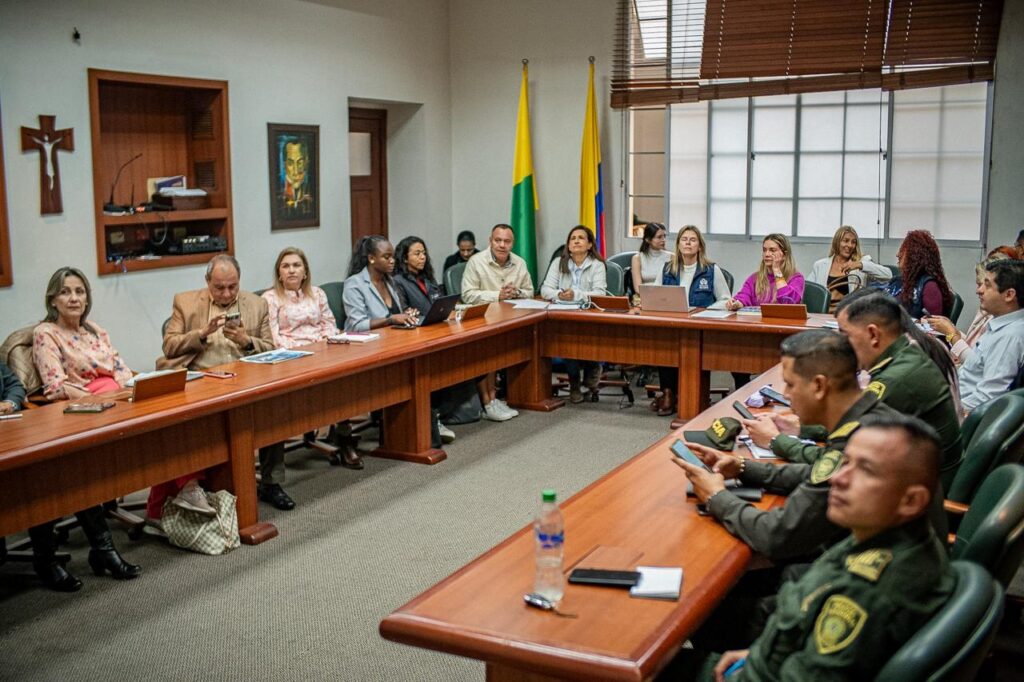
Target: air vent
<point>205,175</point>
<point>202,124</point>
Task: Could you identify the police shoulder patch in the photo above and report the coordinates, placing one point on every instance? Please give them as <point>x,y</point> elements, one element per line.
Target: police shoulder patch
<point>880,365</point>
<point>876,387</point>
<point>844,431</point>
<point>839,623</point>
<point>870,564</point>
<point>826,465</point>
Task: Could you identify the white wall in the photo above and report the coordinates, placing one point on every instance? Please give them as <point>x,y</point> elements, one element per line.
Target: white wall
<point>1006,200</point>
<point>489,40</point>
<point>285,61</point>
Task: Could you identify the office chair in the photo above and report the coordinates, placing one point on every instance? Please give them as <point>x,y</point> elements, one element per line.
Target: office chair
<point>991,533</point>
<point>816,297</point>
<point>453,278</point>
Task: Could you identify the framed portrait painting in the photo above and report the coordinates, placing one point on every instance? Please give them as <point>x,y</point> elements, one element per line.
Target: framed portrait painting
<point>294,155</point>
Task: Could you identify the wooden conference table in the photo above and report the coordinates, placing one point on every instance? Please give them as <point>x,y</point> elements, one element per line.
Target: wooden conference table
<point>638,510</point>
<point>52,464</point>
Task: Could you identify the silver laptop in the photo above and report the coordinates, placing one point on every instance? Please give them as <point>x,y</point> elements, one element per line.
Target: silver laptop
<point>664,299</point>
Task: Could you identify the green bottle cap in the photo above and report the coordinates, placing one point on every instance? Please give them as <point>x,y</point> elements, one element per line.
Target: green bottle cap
<point>549,495</point>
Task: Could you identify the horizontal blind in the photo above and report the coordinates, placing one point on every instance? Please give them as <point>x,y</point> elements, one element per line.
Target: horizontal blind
<point>671,51</point>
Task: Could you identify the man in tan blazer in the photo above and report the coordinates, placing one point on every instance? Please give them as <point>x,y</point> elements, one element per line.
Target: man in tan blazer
<point>218,325</point>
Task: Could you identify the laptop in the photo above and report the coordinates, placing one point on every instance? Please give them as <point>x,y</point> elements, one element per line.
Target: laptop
<point>784,311</point>
<point>655,298</point>
<point>611,304</point>
<point>439,311</point>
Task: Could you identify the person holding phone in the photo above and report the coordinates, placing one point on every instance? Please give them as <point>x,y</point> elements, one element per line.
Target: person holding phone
<point>776,280</point>
<point>371,298</point>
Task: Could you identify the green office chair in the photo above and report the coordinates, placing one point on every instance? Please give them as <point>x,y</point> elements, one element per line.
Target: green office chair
<point>992,532</point>
<point>334,291</point>
<point>453,278</point>
<point>953,644</point>
<point>896,274</point>
<point>970,424</point>
<point>623,260</point>
<point>956,308</point>
<point>616,279</point>
<point>816,297</point>
<point>997,439</point>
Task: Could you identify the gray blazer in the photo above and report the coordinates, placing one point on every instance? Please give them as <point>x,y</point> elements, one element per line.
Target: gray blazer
<point>363,302</point>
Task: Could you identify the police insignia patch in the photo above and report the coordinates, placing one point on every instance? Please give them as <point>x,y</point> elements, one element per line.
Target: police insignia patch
<point>870,564</point>
<point>825,466</point>
<point>876,387</point>
<point>840,621</point>
<point>844,431</point>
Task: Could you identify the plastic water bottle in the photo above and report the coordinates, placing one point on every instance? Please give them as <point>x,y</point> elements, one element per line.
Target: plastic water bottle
<point>549,534</point>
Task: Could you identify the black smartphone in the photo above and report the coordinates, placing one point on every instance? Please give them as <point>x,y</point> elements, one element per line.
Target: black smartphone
<point>742,409</point>
<point>233,319</point>
<point>597,576</point>
<point>684,453</point>
<point>772,394</point>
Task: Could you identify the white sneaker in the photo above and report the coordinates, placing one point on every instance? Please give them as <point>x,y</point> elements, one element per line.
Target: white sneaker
<point>493,412</point>
<point>506,408</point>
<point>193,498</point>
<point>447,435</point>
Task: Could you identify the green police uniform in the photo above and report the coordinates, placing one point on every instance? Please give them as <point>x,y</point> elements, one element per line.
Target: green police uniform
<point>855,606</point>
<point>799,529</point>
<point>905,378</point>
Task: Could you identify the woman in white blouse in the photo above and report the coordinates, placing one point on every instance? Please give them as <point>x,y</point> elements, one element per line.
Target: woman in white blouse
<point>299,316</point>
<point>574,277</point>
<point>846,269</point>
<point>648,263</point>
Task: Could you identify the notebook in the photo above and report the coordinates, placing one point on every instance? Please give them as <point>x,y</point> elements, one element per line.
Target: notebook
<point>658,582</point>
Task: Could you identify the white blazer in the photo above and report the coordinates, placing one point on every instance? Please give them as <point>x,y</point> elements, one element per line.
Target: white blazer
<point>593,281</point>
<point>857,278</point>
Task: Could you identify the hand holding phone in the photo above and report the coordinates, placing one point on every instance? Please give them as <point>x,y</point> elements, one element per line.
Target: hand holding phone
<point>742,409</point>
<point>772,394</point>
<point>684,453</point>
<point>233,319</point>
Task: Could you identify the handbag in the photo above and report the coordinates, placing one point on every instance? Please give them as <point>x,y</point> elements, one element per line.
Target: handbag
<point>203,534</point>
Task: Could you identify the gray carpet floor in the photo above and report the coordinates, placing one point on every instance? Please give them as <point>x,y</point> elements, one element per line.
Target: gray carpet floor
<point>306,605</point>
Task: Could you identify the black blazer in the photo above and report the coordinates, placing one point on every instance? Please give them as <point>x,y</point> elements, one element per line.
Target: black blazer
<point>10,387</point>
<point>413,295</point>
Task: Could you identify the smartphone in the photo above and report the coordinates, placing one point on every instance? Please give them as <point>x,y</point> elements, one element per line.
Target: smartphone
<point>742,409</point>
<point>219,374</point>
<point>684,453</point>
<point>233,319</point>
<point>772,394</point>
<point>597,576</point>
<point>87,408</point>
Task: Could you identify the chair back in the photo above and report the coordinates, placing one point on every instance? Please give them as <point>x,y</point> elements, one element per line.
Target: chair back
<point>333,291</point>
<point>992,531</point>
<point>896,274</point>
<point>453,278</point>
<point>995,438</point>
<point>557,253</point>
<point>16,353</point>
<point>816,297</point>
<point>729,280</point>
<point>957,308</point>
<point>623,260</point>
<point>970,424</point>
<point>953,644</point>
<point>616,279</point>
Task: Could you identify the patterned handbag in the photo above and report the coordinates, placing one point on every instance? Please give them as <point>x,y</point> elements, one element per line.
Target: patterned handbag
<point>190,530</point>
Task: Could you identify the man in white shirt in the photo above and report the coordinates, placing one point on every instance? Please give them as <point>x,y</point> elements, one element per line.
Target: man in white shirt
<point>496,274</point>
<point>998,357</point>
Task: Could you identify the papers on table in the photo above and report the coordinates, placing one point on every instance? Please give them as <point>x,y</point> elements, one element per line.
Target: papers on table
<point>714,314</point>
<point>354,337</point>
<point>272,357</point>
<point>658,582</point>
<point>749,310</point>
<point>190,376</point>
<point>529,304</point>
<point>757,452</point>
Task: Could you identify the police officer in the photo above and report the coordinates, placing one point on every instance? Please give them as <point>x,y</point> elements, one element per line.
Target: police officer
<point>867,595</point>
<point>819,369</point>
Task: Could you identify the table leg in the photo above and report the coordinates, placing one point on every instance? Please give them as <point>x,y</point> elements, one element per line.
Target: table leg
<point>239,476</point>
<point>503,673</point>
<point>407,424</point>
<point>529,384</point>
<point>694,383</point>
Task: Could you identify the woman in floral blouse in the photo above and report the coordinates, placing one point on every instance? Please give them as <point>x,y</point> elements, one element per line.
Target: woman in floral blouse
<point>299,316</point>
<point>74,357</point>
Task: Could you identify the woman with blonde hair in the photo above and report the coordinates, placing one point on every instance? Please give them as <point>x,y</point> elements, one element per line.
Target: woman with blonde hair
<point>846,269</point>
<point>776,279</point>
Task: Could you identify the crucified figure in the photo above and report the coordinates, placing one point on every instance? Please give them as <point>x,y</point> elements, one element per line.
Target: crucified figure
<point>49,160</point>
<point>46,140</point>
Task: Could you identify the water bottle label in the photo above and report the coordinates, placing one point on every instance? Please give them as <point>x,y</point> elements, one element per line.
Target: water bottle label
<point>551,540</point>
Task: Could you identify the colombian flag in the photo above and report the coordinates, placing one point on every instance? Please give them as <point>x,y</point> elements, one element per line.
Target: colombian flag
<point>524,187</point>
<point>591,198</point>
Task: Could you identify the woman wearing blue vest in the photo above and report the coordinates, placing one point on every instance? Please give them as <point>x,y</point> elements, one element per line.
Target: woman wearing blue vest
<point>706,287</point>
<point>922,287</point>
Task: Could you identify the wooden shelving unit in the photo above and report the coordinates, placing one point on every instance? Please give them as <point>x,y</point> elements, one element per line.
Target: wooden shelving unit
<point>180,127</point>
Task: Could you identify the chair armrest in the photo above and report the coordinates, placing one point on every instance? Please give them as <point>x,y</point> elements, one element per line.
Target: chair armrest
<point>958,508</point>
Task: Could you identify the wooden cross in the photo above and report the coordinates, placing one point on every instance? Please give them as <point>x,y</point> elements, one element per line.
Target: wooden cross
<point>48,142</point>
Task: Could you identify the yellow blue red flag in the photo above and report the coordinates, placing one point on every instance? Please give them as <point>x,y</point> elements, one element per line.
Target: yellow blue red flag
<point>591,197</point>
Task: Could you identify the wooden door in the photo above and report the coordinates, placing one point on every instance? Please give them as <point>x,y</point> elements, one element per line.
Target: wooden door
<point>369,191</point>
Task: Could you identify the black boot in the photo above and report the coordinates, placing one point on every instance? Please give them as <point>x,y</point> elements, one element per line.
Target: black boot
<point>103,557</point>
<point>46,566</point>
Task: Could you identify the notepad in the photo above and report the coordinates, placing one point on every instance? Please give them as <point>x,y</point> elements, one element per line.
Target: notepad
<point>658,582</point>
<point>749,310</point>
<point>528,304</point>
<point>714,314</point>
<point>354,337</point>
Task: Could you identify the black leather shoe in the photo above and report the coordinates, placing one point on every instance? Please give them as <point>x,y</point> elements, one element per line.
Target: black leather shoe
<point>103,560</point>
<point>274,494</point>
<point>54,576</point>
<point>351,459</point>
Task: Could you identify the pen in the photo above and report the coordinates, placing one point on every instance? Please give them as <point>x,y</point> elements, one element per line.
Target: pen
<point>732,669</point>
<point>16,415</point>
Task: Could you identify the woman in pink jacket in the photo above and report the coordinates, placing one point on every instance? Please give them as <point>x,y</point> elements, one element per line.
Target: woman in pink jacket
<point>776,281</point>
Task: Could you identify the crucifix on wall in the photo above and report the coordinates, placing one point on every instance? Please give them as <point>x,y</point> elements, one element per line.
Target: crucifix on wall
<point>48,141</point>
